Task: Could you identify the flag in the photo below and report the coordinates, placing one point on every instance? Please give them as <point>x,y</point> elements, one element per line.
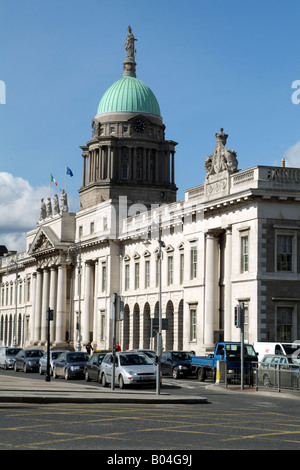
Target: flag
<point>52,180</point>
<point>69,171</point>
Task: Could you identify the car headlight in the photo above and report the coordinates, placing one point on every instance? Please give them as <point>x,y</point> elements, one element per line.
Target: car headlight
<point>75,368</point>
<point>182,367</point>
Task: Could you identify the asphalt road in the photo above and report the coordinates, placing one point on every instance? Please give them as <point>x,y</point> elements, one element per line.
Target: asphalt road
<point>230,421</point>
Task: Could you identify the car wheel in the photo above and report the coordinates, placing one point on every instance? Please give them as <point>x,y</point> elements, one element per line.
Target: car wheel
<point>67,376</point>
<point>15,367</point>
<point>175,373</point>
<point>99,378</point>
<point>24,368</point>
<point>201,374</point>
<point>266,380</point>
<point>103,380</point>
<point>55,376</point>
<point>87,379</point>
<point>40,370</point>
<point>121,382</point>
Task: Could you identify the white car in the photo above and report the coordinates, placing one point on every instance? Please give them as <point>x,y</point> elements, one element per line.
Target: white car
<point>131,368</point>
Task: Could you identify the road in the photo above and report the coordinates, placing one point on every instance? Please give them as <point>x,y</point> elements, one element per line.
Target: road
<point>230,421</point>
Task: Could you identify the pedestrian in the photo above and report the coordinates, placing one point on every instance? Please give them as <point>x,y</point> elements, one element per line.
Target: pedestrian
<point>118,347</point>
<point>89,348</point>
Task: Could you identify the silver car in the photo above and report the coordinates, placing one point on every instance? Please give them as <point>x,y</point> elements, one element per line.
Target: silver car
<point>130,369</point>
<point>43,361</point>
<point>7,357</point>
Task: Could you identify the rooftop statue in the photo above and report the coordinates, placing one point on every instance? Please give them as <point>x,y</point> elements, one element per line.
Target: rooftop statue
<point>222,158</point>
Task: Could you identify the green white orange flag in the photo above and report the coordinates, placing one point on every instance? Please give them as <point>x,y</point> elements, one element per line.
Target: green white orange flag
<point>53,180</point>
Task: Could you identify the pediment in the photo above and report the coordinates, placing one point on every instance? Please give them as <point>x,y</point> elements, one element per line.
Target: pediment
<point>45,240</point>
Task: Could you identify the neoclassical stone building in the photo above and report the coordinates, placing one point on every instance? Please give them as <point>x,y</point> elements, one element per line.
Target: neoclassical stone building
<point>232,239</point>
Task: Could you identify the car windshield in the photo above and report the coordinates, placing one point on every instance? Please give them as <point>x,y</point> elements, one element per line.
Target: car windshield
<point>234,351</point>
<point>134,360</point>
<point>77,357</point>
<point>56,354</point>
<point>181,356</point>
<point>34,353</point>
<point>12,351</point>
<point>291,348</point>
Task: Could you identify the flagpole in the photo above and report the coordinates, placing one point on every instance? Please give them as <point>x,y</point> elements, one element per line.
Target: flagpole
<point>66,179</point>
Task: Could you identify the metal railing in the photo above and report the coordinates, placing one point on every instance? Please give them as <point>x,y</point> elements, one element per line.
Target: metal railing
<point>278,377</point>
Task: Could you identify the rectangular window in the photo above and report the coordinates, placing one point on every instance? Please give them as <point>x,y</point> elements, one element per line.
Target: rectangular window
<point>28,290</point>
<point>103,323</point>
<point>137,275</point>
<point>193,262</point>
<point>147,274</point>
<point>103,278</point>
<point>170,270</point>
<point>193,324</point>
<point>80,231</point>
<point>285,253</point>
<point>244,254</point>
<point>126,276</point>
<point>284,325</point>
<point>92,227</point>
<point>181,268</point>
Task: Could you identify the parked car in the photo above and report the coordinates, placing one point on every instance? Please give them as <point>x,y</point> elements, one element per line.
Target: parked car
<point>149,352</point>
<point>92,367</point>
<point>176,364</point>
<point>70,364</point>
<point>28,360</point>
<point>131,368</point>
<point>275,370</point>
<point>43,361</point>
<point>7,357</point>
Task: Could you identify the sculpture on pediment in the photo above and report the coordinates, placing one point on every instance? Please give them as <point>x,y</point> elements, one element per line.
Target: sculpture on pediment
<point>64,201</point>
<point>43,209</point>
<point>49,207</point>
<point>222,159</point>
<point>55,204</point>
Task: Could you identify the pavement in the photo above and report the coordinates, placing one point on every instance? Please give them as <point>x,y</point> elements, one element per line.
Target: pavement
<point>16,389</point>
<point>20,388</point>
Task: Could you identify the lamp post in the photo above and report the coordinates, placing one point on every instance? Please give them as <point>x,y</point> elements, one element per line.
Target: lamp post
<point>159,335</point>
<point>75,250</point>
<point>13,262</point>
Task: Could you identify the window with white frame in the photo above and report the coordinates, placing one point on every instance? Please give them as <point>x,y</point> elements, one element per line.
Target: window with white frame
<point>193,262</point>
<point>181,268</point>
<point>284,323</point>
<point>244,253</point>
<point>147,274</point>
<point>137,275</point>
<point>104,274</point>
<point>126,276</point>
<point>285,252</point>
<point>193,323</point>
<point>170,270</point>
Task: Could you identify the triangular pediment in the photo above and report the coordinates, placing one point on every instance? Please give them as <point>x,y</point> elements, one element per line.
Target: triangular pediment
<point>45,240</point>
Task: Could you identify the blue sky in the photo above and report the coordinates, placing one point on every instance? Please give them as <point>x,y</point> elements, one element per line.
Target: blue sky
<point>210,64</point>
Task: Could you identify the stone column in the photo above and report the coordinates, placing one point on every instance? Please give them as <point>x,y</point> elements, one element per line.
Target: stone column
<point>45,305</point>
<point>60,333</point>
<point>52,301</point>
<point>33,303</point>
<point>228,269</point>
<point>211,289</point>
<point>85,317</point>
<point>38,306</point>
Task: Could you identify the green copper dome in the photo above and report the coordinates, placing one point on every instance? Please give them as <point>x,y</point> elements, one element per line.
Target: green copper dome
<point>129,94</point>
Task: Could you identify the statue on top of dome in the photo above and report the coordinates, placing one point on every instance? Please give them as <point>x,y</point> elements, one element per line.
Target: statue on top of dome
<point>129,46</point>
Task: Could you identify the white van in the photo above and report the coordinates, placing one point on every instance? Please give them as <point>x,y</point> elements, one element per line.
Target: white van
<point>275,348</point>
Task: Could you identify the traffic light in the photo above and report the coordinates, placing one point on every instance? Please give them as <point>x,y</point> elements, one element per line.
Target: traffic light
<point>239,315</point>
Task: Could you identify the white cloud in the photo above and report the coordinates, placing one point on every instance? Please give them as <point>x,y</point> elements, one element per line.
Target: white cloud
<point>292,156</point>
<point>19,210</point>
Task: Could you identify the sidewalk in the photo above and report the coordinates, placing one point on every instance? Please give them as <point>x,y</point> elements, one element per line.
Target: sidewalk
<point>16,389</point>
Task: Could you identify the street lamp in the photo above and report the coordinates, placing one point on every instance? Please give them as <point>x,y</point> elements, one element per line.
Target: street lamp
<point>75,250</point>
<point>13,262</point>
<point>159,335</point>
